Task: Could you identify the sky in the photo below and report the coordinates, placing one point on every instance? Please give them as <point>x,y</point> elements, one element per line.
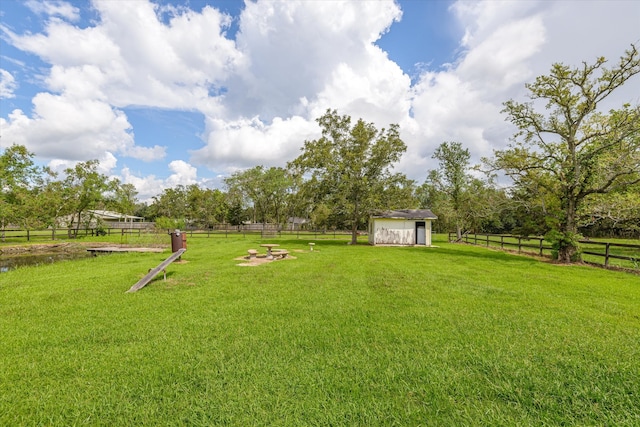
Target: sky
<point>167,93</point>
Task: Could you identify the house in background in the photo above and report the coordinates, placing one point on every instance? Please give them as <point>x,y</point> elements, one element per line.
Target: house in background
<point>114,219</point>
<point>295,223</point>
<point>401,227</point>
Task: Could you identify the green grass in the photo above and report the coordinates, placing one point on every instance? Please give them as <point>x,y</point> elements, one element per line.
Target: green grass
<point>343,335</point>
<point>531,246</point>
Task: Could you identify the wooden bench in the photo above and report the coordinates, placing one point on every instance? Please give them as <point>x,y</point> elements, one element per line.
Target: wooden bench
<point>252,253</point>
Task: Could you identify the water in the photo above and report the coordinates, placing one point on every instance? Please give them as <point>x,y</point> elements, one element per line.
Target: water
<point>16,261</point>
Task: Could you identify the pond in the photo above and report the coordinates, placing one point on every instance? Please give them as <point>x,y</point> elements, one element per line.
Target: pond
<point>10,262</point>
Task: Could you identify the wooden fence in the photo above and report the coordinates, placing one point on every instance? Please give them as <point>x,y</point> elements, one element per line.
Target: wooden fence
<point>226,230</point>
<point>629,254</point>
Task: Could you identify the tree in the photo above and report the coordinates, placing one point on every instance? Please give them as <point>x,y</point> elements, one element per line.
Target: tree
<point>452,179</point>
<point>265,190</point>
<point>85,187</point>
<point>19,179</point>
<point>205,207</point>
<point>123,197</point>
<point>171,203</point>
<point>572,150</point>
<point>613,214</point>
<point>349,165</point>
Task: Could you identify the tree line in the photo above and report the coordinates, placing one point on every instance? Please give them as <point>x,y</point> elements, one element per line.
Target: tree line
<point>573,169</point>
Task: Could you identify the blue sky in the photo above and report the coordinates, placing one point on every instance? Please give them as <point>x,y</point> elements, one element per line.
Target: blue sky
<point>182,92</point>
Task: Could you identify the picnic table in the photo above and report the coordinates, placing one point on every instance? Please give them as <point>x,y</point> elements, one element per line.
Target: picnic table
<point>269,246</point>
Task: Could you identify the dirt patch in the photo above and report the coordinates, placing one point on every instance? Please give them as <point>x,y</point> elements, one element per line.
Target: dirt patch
<point>44,248</point>
<point>259,260</point>
<point>59,247</point>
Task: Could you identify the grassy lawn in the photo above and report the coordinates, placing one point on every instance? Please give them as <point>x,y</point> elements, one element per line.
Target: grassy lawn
<point>531,246</point>
<point>343,335</point>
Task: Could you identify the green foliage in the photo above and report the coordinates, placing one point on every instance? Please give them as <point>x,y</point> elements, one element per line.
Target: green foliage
<point>266,191</point>
<point>460,200</point>
<point>455,335</point>
<point>572,151</point>
<point>563,242</point>
<point>84,188</point>
<point>166,223</point>
<point>18,184</point>
<point>349,167</point>
<point>171,203</point>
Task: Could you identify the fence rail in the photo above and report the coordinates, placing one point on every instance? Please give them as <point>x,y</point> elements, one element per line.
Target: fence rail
<point>629,254</point>
<point>226,230</point>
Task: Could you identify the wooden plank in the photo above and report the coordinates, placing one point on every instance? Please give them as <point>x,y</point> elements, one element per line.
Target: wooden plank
<point>146,279</point>
<point>109,249</point>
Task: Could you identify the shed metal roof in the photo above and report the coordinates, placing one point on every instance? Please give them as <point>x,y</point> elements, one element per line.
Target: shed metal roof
<point>406,214</point>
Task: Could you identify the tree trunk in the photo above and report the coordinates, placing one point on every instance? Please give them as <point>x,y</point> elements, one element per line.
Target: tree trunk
<point>568,249</point>
<point>354,225</point>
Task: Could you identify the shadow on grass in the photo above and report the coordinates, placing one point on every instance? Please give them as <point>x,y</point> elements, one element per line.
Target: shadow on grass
<point>318,244</point>
<point>489,254</point>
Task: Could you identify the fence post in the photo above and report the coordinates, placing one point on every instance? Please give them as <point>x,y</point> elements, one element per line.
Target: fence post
<point>606,255</point>
<point>501,241</point>
<point>487,240</point>
<point>28,237</point>
<point>541,239</point>
<point>519,244</point>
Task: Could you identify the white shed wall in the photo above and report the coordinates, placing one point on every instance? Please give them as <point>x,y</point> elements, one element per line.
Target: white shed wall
<point>386,231</point>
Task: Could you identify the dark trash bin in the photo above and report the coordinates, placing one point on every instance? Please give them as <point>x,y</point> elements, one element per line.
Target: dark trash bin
<point>178,241</point>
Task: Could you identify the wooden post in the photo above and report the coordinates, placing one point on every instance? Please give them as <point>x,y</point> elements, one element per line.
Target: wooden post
<point>519,244</point>
<point>541,239</point>
<point>501,241</point>
<point>606,255</point>
<point>487,240</point>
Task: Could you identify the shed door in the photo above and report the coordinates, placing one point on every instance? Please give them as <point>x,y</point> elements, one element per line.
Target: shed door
<point>421,234</point>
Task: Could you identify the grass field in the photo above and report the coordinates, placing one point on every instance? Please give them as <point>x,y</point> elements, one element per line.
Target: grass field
<point>595,246</point>
<point>343,335</point>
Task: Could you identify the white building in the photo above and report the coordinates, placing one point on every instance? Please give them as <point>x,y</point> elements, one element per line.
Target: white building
<point>401,227</point>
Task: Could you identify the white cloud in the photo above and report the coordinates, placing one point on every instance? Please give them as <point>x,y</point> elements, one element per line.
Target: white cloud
<point>183,173</point>
<point>507,44</point>
<point>291,60</point>
<point>301,59</point>
<point>73,129</point>
<point>147,154</point>
<point>106,163</point>
<point>248,142</point>
<point>54,8</point>
<point>294,47</point>
<point>7,84</point>
<point>148,186</point>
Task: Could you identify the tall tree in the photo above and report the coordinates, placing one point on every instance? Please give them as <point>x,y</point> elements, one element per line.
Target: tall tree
<point>350,165</point>
<point>123,197</point>
<point>19,178</point>
<point>452,179</point>
<point>265,190</point>
<point>573,150</point>
<point>85,188</point>
<point>171,203</point>
<point>205,207</point>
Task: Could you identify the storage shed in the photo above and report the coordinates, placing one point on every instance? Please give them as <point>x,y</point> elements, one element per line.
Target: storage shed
<point>401,227</point>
